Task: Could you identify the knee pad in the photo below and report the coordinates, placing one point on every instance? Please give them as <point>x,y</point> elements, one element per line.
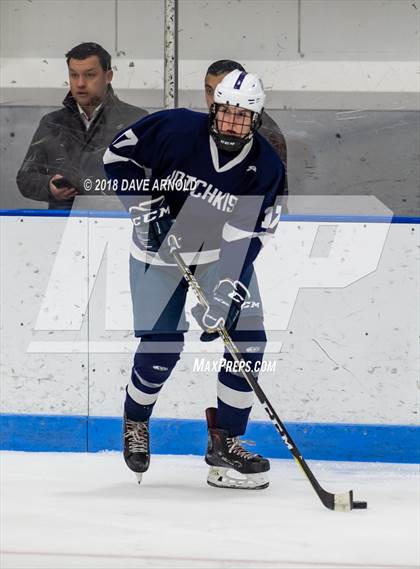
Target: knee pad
<point>157,356</point>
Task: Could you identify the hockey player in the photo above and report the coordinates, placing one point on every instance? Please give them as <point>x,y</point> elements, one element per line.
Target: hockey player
<point>269,128</point>
<point>212,195</point>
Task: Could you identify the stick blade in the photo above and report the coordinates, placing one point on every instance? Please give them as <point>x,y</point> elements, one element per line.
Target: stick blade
<point>343,502</point>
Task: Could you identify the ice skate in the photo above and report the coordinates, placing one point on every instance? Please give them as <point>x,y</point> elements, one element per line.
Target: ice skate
<point>232,466</point>
<point>136,446</point>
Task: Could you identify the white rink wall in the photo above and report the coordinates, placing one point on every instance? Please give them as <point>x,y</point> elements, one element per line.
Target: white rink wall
<point>341,309</point>
<point>312,54</point>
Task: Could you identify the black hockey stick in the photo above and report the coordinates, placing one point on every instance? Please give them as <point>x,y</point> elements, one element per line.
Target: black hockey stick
<point>340,502</point>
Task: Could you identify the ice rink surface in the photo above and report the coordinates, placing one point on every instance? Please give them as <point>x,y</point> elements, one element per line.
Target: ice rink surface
<point>67,510</point>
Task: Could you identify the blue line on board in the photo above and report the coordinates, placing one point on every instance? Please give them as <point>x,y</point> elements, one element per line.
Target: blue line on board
<point>289,217</point>
<point>318,441</point>
<point>61,213</point>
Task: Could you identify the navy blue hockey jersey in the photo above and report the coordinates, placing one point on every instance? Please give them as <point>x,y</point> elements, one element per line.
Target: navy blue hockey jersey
<point>223,203</point>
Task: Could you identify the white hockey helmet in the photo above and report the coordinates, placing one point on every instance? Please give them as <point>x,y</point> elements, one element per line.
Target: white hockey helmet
<point>241,89</point>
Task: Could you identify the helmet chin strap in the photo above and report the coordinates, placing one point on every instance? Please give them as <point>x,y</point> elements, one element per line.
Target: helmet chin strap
<point>230,142</point>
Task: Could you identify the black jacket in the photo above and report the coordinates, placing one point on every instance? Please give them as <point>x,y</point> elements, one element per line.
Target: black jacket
<point>62,145</point>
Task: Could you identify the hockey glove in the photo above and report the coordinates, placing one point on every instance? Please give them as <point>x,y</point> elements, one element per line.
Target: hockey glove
<point>223,310</point>
<point>152,222</point>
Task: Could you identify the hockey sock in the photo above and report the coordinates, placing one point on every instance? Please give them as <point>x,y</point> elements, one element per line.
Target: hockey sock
<point>154,361</point>
<point>234,395</point>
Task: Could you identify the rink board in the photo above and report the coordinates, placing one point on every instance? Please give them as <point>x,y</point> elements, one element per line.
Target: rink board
<point>341,324</point>
<point>344,442</point>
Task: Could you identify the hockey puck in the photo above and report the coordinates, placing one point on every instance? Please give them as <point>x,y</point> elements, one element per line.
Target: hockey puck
<point>359,505</point>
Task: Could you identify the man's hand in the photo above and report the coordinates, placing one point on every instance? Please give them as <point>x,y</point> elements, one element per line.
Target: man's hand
<point>223,310</point>
<point>61,194</point>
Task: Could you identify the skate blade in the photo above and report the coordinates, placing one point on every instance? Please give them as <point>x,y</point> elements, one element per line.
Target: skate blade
<point>220,477</point>
<point>139,476</point>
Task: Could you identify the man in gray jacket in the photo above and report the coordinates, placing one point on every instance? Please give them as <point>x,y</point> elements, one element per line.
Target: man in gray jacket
<point>64,158</point>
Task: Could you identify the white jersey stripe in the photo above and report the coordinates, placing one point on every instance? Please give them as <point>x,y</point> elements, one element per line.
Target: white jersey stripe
<point>189,258</point>
<point>231,233</point>
<point>110,157</point>
<point>229,165</point>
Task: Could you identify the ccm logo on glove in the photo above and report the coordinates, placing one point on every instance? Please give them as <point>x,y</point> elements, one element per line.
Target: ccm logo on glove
<point>148,211</point>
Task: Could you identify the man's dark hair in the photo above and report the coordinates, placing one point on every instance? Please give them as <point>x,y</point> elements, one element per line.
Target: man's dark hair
<point>223,66</point>
<point>87,49</point>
